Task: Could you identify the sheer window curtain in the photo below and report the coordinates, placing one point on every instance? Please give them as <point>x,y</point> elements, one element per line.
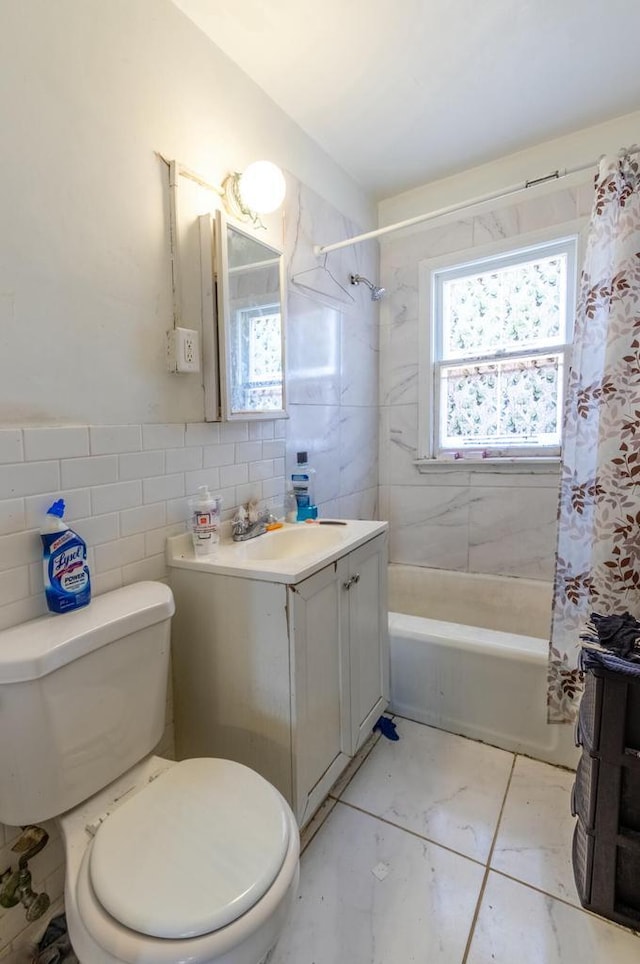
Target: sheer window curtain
<point>598,551</point>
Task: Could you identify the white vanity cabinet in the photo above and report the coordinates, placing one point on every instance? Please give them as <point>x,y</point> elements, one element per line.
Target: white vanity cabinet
<point>286,677</point>
<point>320,732</point>
<point>363,578</point>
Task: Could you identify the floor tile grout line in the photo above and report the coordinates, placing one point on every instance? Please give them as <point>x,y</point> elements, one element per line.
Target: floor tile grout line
<point>540,890</point>
<point>474,860</point>
<point>413,833</point>
<point>487,870</point>
<point>565,901</point>
<point>500,815</point>
<point>335,799</point>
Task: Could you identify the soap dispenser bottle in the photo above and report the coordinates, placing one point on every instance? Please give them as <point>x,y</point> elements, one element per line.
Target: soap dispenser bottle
<point>204,511</point>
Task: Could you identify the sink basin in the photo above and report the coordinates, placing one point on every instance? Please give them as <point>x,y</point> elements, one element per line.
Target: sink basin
<point>286,555</point>
<point>288,543</point>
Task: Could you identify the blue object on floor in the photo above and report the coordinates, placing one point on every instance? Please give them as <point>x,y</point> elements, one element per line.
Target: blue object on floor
<point>55,946</point>
<point>387,727</point>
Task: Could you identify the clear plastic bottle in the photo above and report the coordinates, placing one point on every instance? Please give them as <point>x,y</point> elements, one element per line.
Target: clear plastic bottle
<point>205,521</point>
<point>290,507</point>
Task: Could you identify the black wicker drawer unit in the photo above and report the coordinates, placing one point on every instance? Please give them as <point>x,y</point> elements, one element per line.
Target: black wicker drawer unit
<point>606,797</point>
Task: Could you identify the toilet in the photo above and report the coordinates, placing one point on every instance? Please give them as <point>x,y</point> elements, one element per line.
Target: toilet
<point>166,863</point>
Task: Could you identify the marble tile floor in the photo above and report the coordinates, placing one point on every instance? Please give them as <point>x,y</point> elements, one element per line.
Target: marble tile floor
<point>440,850</point>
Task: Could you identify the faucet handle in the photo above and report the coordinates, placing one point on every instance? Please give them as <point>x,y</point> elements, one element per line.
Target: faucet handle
<point>253,510</point>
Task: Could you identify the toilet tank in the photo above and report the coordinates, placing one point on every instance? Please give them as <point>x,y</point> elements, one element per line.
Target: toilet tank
<point>82,699</point>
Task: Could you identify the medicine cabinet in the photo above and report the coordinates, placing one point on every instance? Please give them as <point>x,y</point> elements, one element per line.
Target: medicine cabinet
<point>243,323</point>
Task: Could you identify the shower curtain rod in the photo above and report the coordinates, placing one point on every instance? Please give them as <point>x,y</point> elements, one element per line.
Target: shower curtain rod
<point>452,208</point>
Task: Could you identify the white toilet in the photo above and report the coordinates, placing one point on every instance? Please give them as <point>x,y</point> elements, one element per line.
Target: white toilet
<point>167,863</point>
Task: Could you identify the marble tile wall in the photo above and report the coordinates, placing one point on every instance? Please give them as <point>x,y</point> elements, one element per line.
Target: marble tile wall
<point>464,518</point>
<point>333,353</point>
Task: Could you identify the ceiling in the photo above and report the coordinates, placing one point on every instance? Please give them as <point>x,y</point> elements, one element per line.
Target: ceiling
<point>402,92</point>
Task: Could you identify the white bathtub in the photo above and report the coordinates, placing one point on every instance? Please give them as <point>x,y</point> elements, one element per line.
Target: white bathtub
<point>469,655</point>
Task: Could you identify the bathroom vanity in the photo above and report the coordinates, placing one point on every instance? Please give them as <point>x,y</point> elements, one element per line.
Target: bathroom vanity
<point>280,652</point>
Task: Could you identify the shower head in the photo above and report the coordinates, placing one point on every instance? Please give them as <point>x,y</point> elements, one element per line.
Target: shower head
<point>376,292</point>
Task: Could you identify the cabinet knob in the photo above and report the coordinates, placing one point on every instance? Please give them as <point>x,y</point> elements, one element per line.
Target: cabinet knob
<point>350,582</point>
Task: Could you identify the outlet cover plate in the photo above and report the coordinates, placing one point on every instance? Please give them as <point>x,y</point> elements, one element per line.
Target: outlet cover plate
<point>183,350</point>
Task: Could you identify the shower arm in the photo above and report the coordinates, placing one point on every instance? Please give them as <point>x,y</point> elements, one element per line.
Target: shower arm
<point>355,279</point>
<point>376,291</point>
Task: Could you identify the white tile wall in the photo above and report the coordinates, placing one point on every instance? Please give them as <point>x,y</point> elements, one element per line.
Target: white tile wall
<point>202,433</point>
<point>55,443</point>
<point>92,471</point>
<point>11,445</point>
<point>28,478</point>
<point>106,439</point>
<point>126,489</point>
<point>12,518</point>
<point>223,454</point>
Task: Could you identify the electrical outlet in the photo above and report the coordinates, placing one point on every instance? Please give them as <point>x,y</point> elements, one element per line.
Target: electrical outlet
<point>183,350</point>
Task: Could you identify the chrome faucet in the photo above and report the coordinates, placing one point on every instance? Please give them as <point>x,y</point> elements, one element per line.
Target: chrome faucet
<point>250,522</point>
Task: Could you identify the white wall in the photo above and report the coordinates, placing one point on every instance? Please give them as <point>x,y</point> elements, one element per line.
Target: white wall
<point>89,91</point>
<point>469,518</point>
<point>563,153</point>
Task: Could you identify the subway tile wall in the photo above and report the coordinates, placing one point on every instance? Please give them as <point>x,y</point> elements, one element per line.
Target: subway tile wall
<point>126,490</point>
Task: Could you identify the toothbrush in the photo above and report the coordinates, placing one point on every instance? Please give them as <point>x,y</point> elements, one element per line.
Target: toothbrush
<point>324,522</point>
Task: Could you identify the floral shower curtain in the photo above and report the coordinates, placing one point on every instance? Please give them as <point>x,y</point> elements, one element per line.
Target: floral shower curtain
<point>598,554</point>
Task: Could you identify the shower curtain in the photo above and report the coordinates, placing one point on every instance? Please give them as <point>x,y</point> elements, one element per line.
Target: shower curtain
<point>598,552</point>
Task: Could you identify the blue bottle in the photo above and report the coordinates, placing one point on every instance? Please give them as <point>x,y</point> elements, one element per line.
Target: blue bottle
<point>302,481</point>
<point>67,583</point>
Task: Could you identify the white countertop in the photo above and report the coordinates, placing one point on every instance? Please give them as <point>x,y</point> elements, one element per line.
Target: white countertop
<point>250,559</point>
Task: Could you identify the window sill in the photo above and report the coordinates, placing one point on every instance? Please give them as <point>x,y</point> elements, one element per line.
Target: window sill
<point>514,466</point>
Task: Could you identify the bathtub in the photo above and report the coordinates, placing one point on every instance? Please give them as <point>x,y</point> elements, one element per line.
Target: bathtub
<point>469,655</point>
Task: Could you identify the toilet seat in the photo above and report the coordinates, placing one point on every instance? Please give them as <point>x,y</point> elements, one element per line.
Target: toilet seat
<point>100,939</point>
<point>191,852</point>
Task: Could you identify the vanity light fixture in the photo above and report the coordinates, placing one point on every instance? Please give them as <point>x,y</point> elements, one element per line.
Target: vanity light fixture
<point>260,189</point>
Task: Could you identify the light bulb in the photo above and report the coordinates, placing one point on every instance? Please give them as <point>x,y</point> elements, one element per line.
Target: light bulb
<point>262,187</point>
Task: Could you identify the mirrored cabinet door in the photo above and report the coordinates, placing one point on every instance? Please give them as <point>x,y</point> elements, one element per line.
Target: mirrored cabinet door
<point>251,324</point>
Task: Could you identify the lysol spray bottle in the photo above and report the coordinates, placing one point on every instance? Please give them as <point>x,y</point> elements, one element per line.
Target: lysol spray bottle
<point>67,583</point>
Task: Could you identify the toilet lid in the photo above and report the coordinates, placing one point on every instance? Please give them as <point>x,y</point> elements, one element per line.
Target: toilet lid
<point>193,851</point>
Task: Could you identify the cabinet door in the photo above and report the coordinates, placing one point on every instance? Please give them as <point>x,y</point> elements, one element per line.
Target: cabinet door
<point>319,674</point>
<point>364,582</point>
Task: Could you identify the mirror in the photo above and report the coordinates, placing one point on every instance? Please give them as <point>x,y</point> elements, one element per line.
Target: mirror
<point>251,324</point>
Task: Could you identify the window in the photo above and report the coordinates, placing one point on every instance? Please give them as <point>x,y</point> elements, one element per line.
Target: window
<point>499,337</point>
